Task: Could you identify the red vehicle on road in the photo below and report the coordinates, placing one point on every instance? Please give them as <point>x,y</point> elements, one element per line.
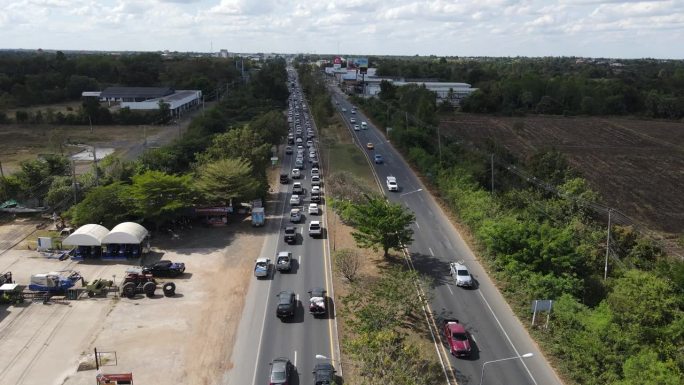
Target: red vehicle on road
<point>457,338</point>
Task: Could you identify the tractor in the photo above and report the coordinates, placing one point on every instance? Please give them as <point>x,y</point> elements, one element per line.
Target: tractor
<point>138,282</point>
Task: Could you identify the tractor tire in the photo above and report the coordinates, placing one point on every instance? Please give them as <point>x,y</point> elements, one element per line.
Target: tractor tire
<point>128,290</point>
<point>169,289</point>
<point>91,294</point>
<point>149,288</point>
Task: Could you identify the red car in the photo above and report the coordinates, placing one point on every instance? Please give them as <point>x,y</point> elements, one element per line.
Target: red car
<point>457,338</point>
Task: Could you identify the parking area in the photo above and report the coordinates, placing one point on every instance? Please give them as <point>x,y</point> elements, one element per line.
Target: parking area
<point>185,339</point>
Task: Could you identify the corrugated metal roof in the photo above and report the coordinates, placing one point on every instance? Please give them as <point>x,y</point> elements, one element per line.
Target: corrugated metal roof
<point>136,92</point>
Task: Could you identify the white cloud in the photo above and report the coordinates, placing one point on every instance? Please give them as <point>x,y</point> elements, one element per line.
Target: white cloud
<point>441,27</point>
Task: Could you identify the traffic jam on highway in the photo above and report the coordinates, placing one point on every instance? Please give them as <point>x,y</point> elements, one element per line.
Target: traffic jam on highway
<point>297,335</point>
<point>471,323</point>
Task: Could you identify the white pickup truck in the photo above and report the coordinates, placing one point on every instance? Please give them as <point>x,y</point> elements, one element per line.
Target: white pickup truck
<point>392,184</point>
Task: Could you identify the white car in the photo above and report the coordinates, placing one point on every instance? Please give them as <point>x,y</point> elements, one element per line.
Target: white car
<point>315,180</point>
<point>295,200</point>
<point>344,109</point>
<point>392,184</point>
<point>356,127</point>
<point>315,190</point>
<point>295,215</point>
<point>461,274</point>
<point>315,229</point>
<point>297,188</point>
<point>262,267</point>
<point>296,173</point>
<point>315,171</point>
<point>352,120</point>
<point>313,208</point>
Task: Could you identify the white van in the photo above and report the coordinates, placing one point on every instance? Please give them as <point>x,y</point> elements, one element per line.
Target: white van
<point>364,125</point>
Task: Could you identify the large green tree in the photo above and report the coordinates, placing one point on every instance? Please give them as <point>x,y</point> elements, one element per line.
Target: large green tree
<point>226,179</point>
<point>158,197</point>
<point>379,223</point>
<point>106,205</point>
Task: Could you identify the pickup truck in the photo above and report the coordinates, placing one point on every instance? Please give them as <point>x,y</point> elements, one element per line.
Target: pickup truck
<point>262,268</point>
<point>284,261</point>
<point>392,184</point>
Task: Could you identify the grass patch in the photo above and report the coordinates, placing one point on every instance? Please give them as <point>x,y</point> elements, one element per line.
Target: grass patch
<point>341,153</point>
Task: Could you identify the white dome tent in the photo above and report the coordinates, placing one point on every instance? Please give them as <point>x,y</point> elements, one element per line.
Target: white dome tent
<point>126,240</point>
<point>88,240</point>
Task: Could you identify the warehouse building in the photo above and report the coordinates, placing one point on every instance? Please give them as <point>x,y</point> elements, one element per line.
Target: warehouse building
<point>148,98</point>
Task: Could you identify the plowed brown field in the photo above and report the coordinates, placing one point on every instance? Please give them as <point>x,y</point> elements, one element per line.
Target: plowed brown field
<point>636,165</point>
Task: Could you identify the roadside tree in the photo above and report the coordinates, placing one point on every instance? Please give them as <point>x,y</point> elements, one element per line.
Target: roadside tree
<point>106,205</point>
<point>347,262</point>
<point>159,197</point>
<point>227,179</point>
<point>379,223</point>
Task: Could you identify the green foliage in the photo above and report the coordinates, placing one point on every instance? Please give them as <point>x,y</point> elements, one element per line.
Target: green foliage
<point>646,368</point>
<point>379,223</point>
<point>158,197</point>
<point>107,205</point>
<point>222,181</point>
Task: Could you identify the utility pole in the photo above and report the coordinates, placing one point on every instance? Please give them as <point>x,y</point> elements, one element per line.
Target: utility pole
<point>73,180</point>
<point>492,162</point>
<point>605,269</point>
<point>97,180</point>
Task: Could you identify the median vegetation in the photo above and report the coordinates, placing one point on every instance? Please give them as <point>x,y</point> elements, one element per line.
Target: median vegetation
<point>543,241</point>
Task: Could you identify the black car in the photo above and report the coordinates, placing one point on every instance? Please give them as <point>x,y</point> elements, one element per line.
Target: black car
<point>290,234</point>
<point>281,371</point>
<point>165,268</point>
<point>324,374</point>
<point>287,304</point>
<point>316,197</point>
<point>284,178</point>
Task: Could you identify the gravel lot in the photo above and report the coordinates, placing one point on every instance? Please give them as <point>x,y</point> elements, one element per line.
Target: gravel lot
<point>187,339</point>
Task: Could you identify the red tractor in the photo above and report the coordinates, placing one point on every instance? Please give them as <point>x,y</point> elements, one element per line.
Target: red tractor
<point>137,282</point>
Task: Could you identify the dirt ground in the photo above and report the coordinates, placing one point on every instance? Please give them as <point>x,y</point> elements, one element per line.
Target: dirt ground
<point>636,165</point>
<point>186,339</point>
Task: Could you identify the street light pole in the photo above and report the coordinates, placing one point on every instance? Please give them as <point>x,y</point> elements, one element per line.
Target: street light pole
<point>526,355</point>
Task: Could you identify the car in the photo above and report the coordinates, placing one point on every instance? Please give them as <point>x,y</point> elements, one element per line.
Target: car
<point>287,304</point>
<point>296,173</point>
<point>295,199</point>
<point>353,110</point>
<point>283,261</point>
<point>309,143</point>
<point>356,127</point>
<point>288,150</point>
<point>392,184</point>
<point>315,171</point>
<point>315,229</point>
<point>281,371</point>
<point>290,236</point>
<point>299,141</point>
<point>164,268</point>
<point>370,146</point>
<point>299,163</point>
<point>352,120</point>
<point>378,159</point>
<point>300,158</point>
<point>457,338</point>
<point>315,180</point>
<point>317,302</point>
<point>295,215</point>
<point>461,275</point>
<point>300,148</point>
<point>344,109</point>
<point>324,373</point>
<point>284,179</point>
<point>364,125</point>
<point>315,189</point>
<point>313,208</point>
<point>297,188</point>
<point>262,268</point>
<point>316,196</point>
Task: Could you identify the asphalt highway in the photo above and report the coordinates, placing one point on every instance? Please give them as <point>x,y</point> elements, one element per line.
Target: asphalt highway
<point>261,335</point>
<point>496,333</point>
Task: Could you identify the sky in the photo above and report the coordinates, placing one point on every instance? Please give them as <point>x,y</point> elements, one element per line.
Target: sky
<point>589,28</point>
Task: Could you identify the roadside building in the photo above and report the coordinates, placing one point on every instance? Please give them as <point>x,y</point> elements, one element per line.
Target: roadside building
<point>148,98</point>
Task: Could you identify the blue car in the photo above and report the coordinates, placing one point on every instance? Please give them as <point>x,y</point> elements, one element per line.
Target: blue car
<point>378,159</point>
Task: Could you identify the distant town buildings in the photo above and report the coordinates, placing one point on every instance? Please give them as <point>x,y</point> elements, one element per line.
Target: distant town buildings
<point>148,98</point>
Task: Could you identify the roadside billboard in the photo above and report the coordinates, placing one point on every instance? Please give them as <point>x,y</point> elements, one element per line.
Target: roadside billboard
<point>337,63</point>
<point>362,64</point>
